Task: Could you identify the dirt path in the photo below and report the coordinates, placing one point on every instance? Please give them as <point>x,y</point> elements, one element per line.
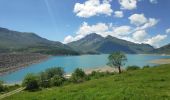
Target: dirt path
<point>11,93</point>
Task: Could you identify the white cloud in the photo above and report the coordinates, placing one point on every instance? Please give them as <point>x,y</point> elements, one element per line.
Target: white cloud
<point>87,29</point>
<point>137,19</point>
<point>153,1</point>
<point>168,30</point>
<point>140,35</point>
<point>118,14</point>
<point>128,4</point>
<point>68,39</point>
<point>101,29</point>
<point>150,23</point>
<point>136,34</point>
<point>155,40</point>
<point>93,7</point>
<point>121,30</point>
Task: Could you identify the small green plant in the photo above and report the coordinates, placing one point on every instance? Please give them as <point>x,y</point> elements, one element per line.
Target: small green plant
<point>97,74</point>
<point>2,88</point>
<point>59,71</point>
<point>78,76</point>
<point>44,81</point>
<point>132,68</point>
<point>147,66</point>
<point>57,80</point>
<point>31,82</point>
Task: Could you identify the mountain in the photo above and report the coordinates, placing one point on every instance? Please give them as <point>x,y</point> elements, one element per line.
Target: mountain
<point>162,50</point>
<point>13,41</point>
<point>87,44</point>
<point>99,44</point>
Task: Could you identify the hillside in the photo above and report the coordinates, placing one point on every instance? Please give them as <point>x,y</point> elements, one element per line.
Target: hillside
<point>144,84</point>
<point>13,41</point>
<point>163,50</point>
<point>99,44</point>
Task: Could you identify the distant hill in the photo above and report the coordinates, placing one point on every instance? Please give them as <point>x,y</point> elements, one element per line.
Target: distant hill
<point>99,44</point>
<point>162,50</point>
<point>13,41</point>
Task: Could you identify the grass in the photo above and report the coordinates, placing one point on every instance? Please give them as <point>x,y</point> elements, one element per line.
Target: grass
<point>10,88</point>
<point>144,84</point>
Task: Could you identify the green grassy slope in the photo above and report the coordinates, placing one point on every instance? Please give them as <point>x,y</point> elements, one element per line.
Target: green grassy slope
<point>144,84</point>
<point>14,41</point>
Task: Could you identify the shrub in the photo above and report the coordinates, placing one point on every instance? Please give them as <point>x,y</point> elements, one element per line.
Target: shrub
<point>97,74</point>
<point>78,76</point>
<point>54,71</point>
<point>2,88</point>
<point>147,66</point>
<point>44,81</point>
<point>31,82</point>
<point>57,80</point>
<point>132,68</point>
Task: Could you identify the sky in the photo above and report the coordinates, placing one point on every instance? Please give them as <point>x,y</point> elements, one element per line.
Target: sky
<point>139,21</point>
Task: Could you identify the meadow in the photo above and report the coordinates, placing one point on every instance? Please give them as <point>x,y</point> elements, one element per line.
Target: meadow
<point>140,84</point>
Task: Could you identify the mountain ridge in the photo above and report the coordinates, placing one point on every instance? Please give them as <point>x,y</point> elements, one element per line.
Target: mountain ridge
<point>163,50</point>
<point>108,44</point>
<point>14,41</point>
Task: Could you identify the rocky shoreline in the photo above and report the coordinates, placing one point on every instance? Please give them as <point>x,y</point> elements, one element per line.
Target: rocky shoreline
<point>10,62</point>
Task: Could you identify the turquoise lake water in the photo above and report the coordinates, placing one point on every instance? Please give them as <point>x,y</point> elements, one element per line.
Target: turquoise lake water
<point>69,63</point>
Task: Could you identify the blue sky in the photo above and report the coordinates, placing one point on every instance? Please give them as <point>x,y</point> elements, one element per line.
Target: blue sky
<point>140,21</point>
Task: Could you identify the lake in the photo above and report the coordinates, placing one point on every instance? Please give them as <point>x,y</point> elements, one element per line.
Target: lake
<point>69,63</point>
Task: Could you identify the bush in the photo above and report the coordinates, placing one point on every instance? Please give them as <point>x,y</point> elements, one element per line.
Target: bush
<point>2,88</point>
<point>78,76</point>
<point>97,74</point>
<point>132,68</point>
<point>31,82</point>
<point>48,76</point>
<point>147,66</point>
<point>54,71</point>
<point>43,79</point>
<point>57,80</point>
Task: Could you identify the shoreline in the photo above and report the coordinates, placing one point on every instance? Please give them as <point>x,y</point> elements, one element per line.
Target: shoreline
<point>156,54</point>
<point>12,68</point>
<point>87,71</point>
<point>102,69</point>
<point>98,69</point>
<point>161,61</point>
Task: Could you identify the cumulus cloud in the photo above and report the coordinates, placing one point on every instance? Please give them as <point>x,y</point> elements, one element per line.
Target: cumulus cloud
<point>168,30</point>
<point>140,35</point>
<point>102,29</point>
<point>87,29</point>
<point>68,39</point>
<point>118,14</point>
<point>156,39</point>
<point>137,19</point>
<point>128,4</point>
<point>136,34</point>
<point>150,23</point>
<point>153,1</point>
<point>93,7</point>
<point>121,30</point>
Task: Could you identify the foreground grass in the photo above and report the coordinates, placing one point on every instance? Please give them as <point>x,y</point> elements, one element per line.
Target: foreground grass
<point>144,84</point>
